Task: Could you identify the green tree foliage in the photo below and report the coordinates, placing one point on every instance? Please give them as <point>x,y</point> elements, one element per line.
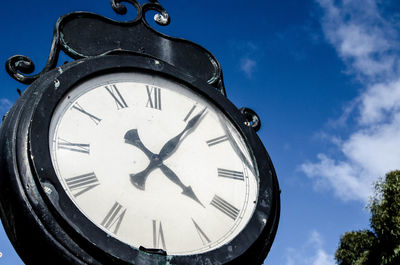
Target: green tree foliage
<point>381,244</point>
<point>355,247</point>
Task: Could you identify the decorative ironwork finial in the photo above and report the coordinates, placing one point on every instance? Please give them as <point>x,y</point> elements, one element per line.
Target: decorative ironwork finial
<point>162,18</point>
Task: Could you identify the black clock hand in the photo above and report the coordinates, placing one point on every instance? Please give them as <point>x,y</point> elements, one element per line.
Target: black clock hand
<point>186,190</point>
<point>168,149</point>
<point>139,179</point>
<point>132,137</point>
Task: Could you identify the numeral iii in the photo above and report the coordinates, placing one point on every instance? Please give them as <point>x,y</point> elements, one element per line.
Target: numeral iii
<point>225,173</point>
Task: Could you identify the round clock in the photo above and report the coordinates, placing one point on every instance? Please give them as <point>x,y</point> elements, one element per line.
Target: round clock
<point>125,159</point>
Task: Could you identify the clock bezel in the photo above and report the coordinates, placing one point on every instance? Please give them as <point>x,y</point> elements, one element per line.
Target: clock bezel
<point>257,234</point>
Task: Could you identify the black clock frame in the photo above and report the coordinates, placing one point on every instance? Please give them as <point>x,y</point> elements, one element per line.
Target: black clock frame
<point>35,210</point>
<point>35,204</point>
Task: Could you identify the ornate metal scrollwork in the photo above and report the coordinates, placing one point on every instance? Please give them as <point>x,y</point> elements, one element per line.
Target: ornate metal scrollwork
<point>84,35</point>
<point>162,18</point>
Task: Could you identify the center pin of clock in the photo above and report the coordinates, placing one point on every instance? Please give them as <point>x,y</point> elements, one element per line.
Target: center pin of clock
<point>156,160</point>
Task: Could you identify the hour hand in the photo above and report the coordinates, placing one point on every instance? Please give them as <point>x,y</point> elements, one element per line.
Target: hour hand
<point>139,179</point>
<point>132,137</point>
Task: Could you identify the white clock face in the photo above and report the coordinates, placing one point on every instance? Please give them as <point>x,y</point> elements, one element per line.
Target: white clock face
<point>153,164</point>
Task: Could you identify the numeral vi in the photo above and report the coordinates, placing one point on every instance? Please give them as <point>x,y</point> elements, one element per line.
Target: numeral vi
<point>158,236</point>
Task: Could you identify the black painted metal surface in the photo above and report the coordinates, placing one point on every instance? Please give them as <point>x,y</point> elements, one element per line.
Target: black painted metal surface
<point>48,223</point>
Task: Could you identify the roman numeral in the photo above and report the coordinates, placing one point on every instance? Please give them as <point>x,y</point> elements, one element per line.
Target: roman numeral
<point>158,236</point>
<point>154,97</point>
<point>119,100</point>
<point>217,140</point>
<point>83,183</point>
<point>226,173</point>
<point>225,207</point>
<point>202,235</point>
<point>190,113</point>
<point>76,147</point>
<point>114,217</point>
<point>82,110</point>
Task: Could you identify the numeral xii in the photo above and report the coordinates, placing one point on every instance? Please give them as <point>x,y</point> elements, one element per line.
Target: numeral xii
<point>153,97</point>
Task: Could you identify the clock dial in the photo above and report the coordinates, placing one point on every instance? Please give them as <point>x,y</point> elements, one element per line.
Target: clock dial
<point>152,163</point>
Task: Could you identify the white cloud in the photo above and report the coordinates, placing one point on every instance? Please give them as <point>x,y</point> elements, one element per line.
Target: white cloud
<point>379,102</point>
<point>340,176</point>
<point>368,44</point>
<point>360,35</point>
<point>311,253</point>
<point>246,53</point>
<point>322,258</point>
<point>248,65</point>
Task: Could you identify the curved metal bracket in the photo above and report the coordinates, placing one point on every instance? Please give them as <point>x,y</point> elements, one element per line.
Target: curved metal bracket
<point>84,35</point>
<point>252,119</point>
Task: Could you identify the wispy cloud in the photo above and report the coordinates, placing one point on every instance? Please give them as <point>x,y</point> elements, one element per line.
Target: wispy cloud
<point>247,53</point>
<point>362,38</point>
<point>311,253</point>
<point>248,65</point>
<point>367,43</point>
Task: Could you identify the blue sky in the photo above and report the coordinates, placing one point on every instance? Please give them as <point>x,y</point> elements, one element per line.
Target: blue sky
<point>323,75</point>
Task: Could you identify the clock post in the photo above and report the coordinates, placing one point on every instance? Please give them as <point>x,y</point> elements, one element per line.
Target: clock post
<point>132,153</point>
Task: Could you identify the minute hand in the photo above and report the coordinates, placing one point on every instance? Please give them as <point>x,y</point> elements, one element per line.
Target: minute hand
<point>169,148</point>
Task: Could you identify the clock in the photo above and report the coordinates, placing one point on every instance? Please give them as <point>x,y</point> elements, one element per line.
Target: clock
<point>124,159</point>
<point>132,154</point>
